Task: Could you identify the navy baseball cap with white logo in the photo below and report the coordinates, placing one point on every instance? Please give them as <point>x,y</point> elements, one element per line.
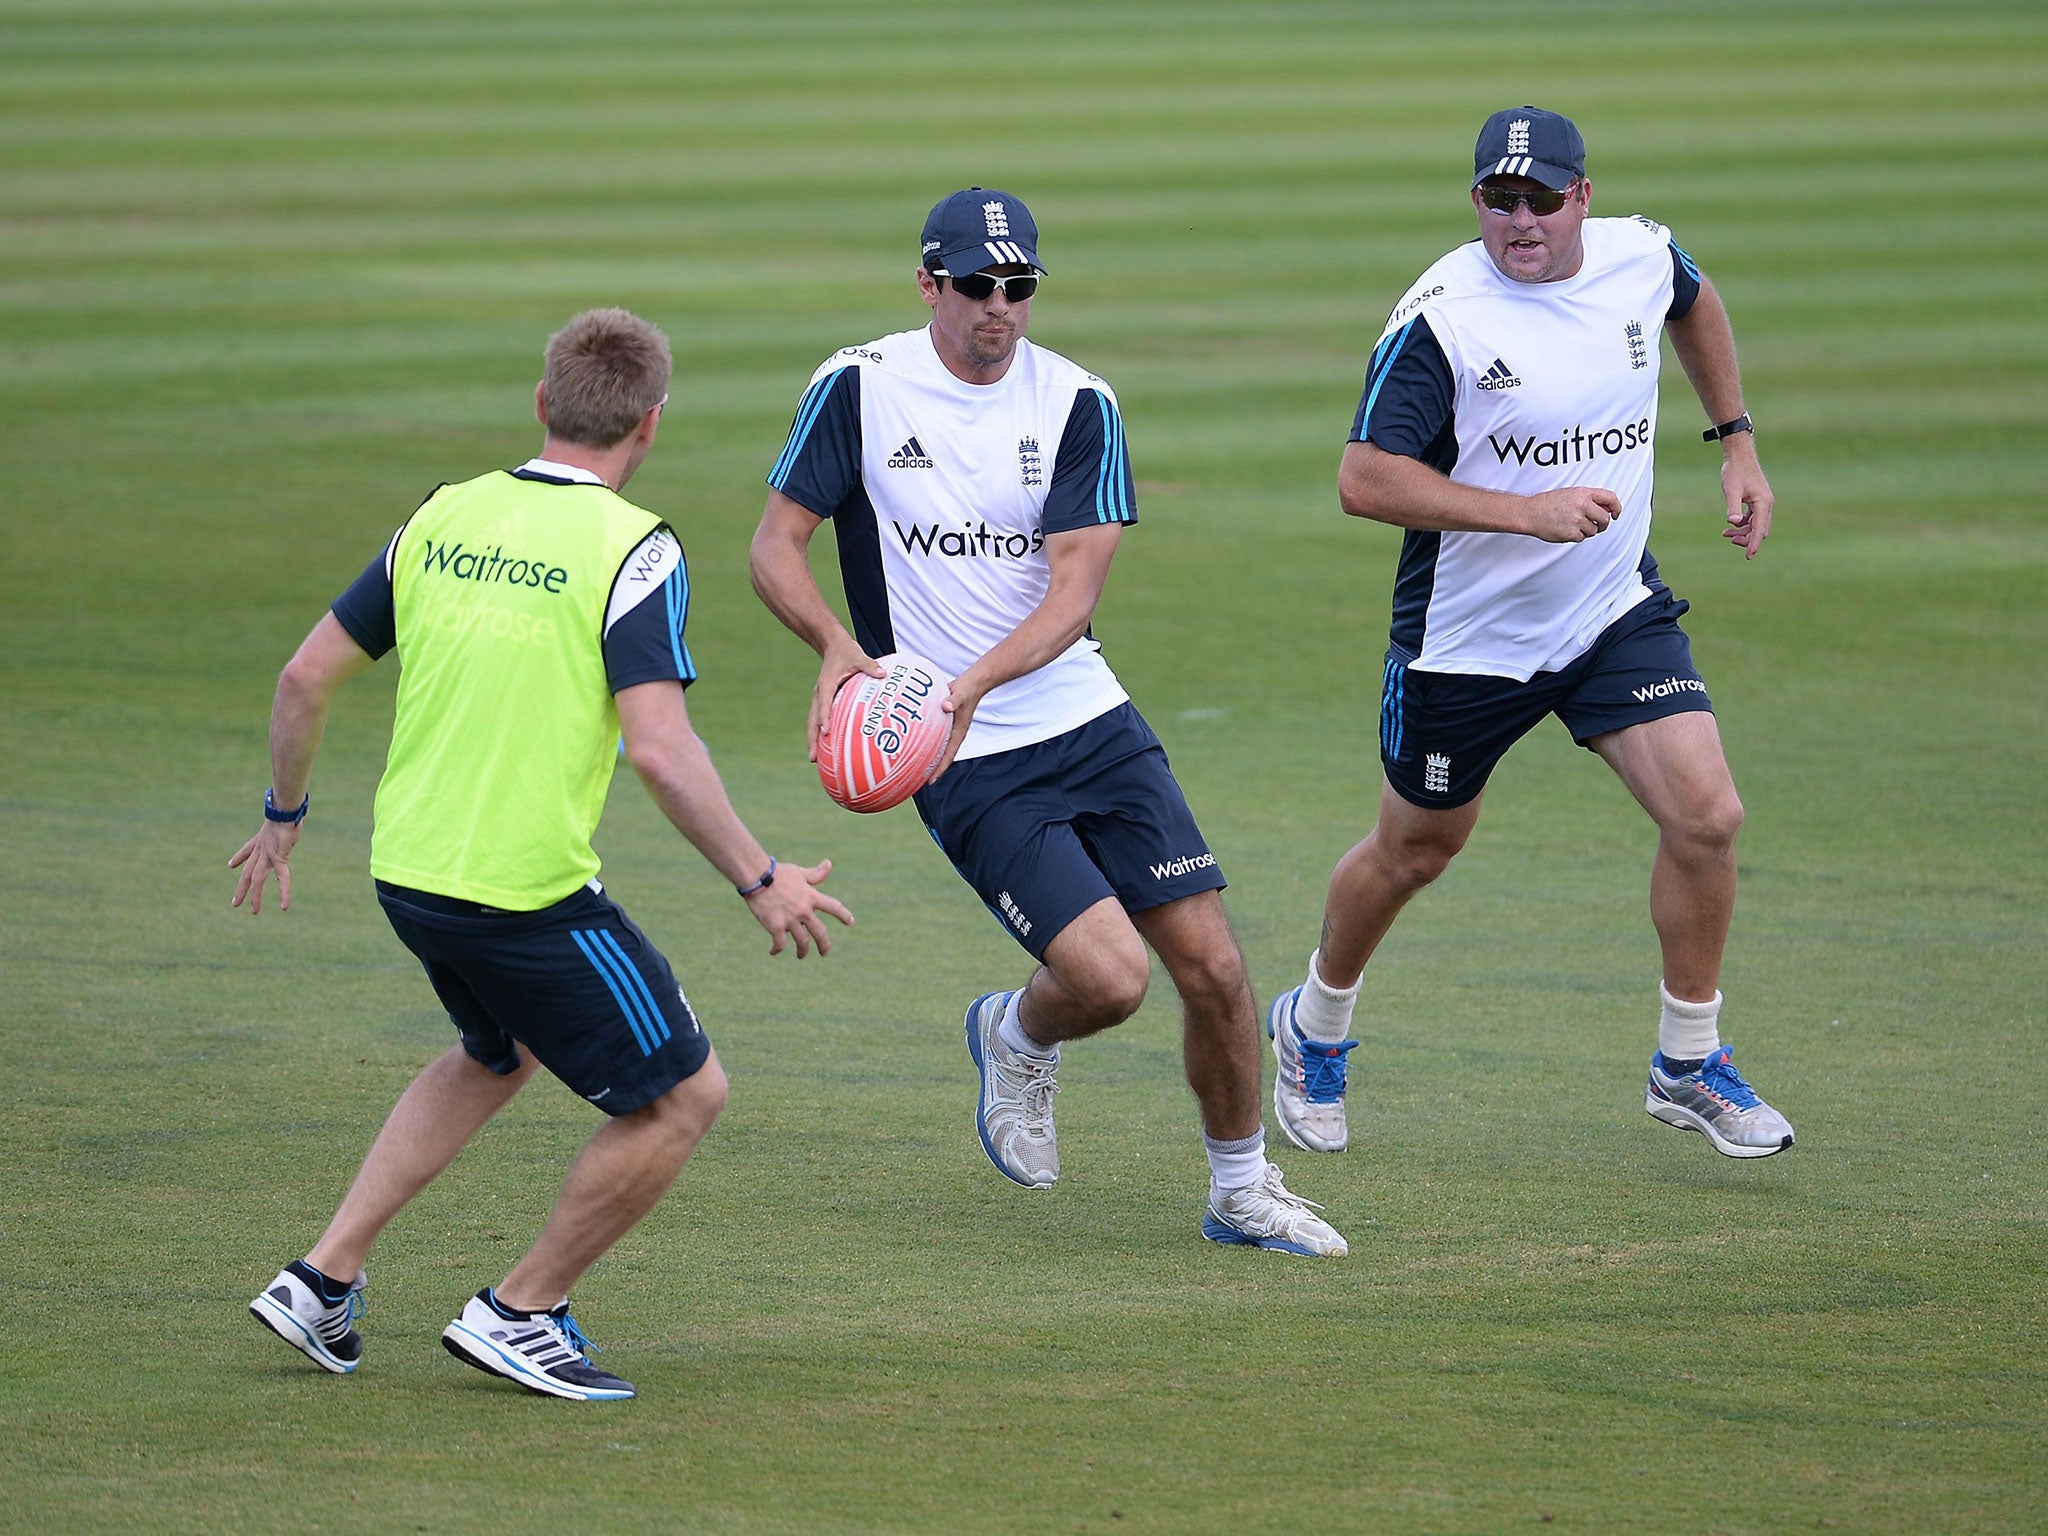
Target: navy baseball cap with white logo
<point>1528,141</point>
<point>979,228</point>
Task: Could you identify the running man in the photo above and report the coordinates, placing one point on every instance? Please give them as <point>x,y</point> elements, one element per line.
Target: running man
<point>978,486</point>
<point>1507,423</point>
<point>538,615</point>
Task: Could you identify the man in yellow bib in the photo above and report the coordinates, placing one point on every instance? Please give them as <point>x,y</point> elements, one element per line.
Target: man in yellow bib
<point>538,617</point>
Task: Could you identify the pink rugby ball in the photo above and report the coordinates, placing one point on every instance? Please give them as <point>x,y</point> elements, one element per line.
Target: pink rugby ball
<point>885,734</point>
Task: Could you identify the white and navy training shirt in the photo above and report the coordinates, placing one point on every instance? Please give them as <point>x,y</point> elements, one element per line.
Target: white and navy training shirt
<point>942,493</point>
<point>643,620</point>
<point>1527,387</point>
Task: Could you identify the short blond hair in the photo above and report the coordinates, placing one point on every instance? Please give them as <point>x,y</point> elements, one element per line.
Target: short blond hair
<point>605,370</point>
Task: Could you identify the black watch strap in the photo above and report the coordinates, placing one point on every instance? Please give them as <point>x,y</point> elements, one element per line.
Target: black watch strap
<point>1741,423</point>
<point>271,812</point>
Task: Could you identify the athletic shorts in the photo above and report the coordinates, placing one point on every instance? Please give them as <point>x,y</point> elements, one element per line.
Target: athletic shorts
<point>1044,832</point>
<point>1441,733</point>
<point>576,983</point>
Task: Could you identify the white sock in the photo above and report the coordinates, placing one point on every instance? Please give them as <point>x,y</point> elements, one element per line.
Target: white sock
<point>1322,1012</point>
<point>1011,1031</point>
<point>1688,1031</point>
<point>1235,1165</point>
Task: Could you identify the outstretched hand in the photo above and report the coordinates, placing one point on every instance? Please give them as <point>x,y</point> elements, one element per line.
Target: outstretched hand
<point>789,908</point>
<point>840,663</point>
<point>269,850</point>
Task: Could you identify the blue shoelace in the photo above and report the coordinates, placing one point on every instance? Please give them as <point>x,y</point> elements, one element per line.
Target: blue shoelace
<point>574,1334</point>
<point>1720,1077</point>
<point>1323,1069</point>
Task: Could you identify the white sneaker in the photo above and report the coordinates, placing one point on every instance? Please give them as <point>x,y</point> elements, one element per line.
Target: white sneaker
<point>319,1329</point>
<point>1269,1215</point>
<point>1014,1116</point>
<point>1716,1101</point>
<point>544,1352</point>
<point>1308,1095</point>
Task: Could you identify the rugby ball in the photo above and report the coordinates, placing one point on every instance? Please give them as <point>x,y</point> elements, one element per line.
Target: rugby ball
<point>885,734</point>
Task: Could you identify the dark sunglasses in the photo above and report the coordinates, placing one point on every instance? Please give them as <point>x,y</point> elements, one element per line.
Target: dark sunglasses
<point>1541,202</point>
<point>976,286</point>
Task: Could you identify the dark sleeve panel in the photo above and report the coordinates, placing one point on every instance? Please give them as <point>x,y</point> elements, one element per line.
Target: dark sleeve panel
<point>366,610</point>
<point>1091,471</point>
<point>644,642</point>
<point>1685,283</point>
<point>1409,395</point>
<point>820,465</point>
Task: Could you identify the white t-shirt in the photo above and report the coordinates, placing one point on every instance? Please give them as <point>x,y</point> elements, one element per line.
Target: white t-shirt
<point>1527,387</point>
<point>941,494</point>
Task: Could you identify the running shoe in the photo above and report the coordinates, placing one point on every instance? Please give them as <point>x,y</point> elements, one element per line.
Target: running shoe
<point>1270,1215</point>
<point>1014,1116</point>
<point>1308,1097</point>
<point>1716,1102</point>
<point>544,1352</point>
<point>323,1331</point>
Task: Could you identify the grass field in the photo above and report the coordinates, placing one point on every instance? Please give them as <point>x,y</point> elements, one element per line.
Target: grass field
<point>269,272</point>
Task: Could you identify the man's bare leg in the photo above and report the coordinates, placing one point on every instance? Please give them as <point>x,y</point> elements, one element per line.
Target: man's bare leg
<point>1678,773</point>
<point>432,1121</point>
<point>622,1171</point>
<point>1219,1021</point>
<point>1407,848</point>
<point>1094,977</point>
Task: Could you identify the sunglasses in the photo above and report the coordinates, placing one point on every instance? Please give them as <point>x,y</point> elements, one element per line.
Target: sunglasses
<point>1541,202</point>
<point>976,286</point>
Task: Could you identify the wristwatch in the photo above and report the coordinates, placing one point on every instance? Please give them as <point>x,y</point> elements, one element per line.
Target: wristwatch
<point>272,813</point>
<point>1741,423</point>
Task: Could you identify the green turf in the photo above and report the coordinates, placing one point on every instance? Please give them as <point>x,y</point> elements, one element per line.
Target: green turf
<point>269,272</point>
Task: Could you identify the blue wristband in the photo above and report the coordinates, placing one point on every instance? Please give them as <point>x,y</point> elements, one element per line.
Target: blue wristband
<point>761,884</point>
<point>272,813</point>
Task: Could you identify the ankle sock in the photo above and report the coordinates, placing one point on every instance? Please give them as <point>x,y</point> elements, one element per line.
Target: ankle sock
<point>1236,1164</point>
<point>511,1314</point>
<point>1011,1031</point>
<point>1323,1013</point>
<point>331,1291</point>
<point>1687,1031</point>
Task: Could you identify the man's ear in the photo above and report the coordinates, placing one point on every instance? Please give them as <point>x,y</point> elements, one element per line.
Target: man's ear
<point>540,403</point>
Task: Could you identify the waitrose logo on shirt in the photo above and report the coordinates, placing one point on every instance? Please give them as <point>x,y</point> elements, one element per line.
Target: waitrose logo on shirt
<point>491,566</point>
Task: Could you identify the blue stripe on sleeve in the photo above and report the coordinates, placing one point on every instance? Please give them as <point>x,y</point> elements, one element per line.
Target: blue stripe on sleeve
<point>806,417</point>
<point>1381,367</point>
<point>677,590</point>
<point>1112,498</point>
<point>1691,269</point>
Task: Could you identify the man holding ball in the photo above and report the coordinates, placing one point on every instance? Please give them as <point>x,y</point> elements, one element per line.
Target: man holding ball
<point>978,486</point>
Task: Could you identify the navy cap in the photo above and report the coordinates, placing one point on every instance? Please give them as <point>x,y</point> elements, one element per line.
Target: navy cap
<point>978,228</point>
<point>1528,141</point>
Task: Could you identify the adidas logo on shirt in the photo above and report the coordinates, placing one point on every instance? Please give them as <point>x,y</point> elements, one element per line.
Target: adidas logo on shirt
<point>1499,377</point>
<point>911,456</point>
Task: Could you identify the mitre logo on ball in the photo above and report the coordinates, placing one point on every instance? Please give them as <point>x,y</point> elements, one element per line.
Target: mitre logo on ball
<point>885,734</point>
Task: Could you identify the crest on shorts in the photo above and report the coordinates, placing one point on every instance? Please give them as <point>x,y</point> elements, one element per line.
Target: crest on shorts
<point>1436,773</point>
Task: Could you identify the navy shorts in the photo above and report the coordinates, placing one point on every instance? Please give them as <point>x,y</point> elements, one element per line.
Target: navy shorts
<point>1044,832</point>
<point>1441,733</point>
<point>576,983</point>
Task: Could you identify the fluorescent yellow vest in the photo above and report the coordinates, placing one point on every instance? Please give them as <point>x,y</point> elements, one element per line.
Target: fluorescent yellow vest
<point>505,737</point>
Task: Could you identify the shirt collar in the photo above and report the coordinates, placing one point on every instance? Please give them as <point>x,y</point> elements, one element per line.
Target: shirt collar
<point>555,471</point>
